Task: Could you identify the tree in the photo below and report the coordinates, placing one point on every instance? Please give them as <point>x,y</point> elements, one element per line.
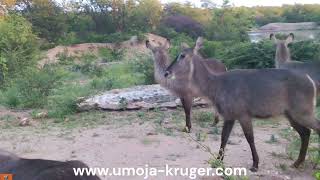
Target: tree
<point>147,14</point>
<point>48,19</point>
<point>18,47</point>
<point>230,24</point>
<point>209,4</point>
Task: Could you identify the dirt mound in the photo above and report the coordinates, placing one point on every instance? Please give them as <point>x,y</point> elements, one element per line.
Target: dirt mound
<point>77,50</point>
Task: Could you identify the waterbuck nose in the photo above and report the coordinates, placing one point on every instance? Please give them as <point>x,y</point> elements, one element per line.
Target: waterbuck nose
<point>166,74</point>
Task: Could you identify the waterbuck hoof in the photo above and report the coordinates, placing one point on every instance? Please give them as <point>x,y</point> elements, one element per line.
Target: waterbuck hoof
<point>215,122</point>
<point>220,158</point>
<point>253,169</point>
<point>186,129</point>
<point>295,165</point>
<point>315,166</point>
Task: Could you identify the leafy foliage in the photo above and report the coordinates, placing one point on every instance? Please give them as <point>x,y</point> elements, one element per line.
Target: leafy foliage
<point>32,90</point>
<point>18,47</point>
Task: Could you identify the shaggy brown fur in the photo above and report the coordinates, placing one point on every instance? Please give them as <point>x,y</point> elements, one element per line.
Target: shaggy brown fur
<point>246,94</point>
<point>40,169</point>
<point>162,61</point>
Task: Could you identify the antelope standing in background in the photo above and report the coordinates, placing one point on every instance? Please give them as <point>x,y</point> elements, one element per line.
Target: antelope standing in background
<point>283,60</point>
<point>186,94</point>
<point>40,169</point>
<point>245,94</point>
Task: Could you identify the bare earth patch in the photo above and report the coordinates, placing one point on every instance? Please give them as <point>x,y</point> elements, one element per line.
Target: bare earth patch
<point>133,139</point>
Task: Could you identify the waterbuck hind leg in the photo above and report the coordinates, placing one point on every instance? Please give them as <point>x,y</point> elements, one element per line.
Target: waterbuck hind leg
<point>187,105</point>
<point>226,130</point>
<point>304,134</point>
<point>246,125</point>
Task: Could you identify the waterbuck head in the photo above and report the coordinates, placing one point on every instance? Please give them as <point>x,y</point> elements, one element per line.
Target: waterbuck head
<point>158,49</point>
<point>282,50</point>
<point>182,67</point>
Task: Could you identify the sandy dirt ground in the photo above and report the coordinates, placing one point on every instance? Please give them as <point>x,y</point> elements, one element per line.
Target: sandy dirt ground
<point>134,141</point>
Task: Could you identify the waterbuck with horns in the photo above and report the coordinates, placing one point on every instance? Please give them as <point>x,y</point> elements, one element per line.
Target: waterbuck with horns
<point>245,94</point>
<point>185,93</point>
<point>283,60</point>
<point>40,169</point>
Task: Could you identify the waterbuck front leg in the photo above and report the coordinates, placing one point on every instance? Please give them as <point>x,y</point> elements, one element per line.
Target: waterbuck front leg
<point>304,136</point>
<point>246,125</point>
<point>187,105</point>
<point>227,127</point>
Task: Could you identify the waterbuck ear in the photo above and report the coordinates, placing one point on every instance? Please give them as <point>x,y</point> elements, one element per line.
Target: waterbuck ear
<point>184,46</point>
<point>148,45</point>
<point>273,38</point>
<point>290,38</point>
<point>199,45</point>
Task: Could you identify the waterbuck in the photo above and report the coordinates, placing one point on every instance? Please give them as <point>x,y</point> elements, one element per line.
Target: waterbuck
<point>245,94</point>
<point>186,94</point>
<point>283,60</point>
<point>40,169</point>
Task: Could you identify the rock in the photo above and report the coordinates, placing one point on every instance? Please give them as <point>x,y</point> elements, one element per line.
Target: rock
<point>134,98</point>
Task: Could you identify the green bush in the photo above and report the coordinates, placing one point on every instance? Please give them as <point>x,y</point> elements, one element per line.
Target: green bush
<point>88,66</point>
<point>63,100</point>
<point>143,64</point>
<point>166,32</point>
<point>248,55</point>
<point>105,83</point>
<point>176,44</point>
<point>109,55</point>
<point>32,90</point>
<point>213,48</point>
<point>64,58</point>
<point>305,51</point>
<point>19,49</point>
<point>10,97</point>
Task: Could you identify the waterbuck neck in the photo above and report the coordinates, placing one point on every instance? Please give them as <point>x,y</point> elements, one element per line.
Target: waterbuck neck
<point>203,80</point>
<point>161,61</point>
<point>282,54</point>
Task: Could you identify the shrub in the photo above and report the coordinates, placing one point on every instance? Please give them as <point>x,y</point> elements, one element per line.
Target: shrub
<point>109,55</point>
<point>248,55</point>
<point>212,48</point>
<point>18,47</point>
<point>305,51</point>
<point>10,97</point>
<point>105,83</point>
<point>64,58</point>
<point>166,32</point>
<point>63,100</point>
<point>88,66</point>
<point>176,44</point>
<point>32,90</point>
<point>143,64</point>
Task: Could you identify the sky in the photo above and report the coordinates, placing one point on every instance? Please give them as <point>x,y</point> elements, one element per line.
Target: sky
<point>250,3</point>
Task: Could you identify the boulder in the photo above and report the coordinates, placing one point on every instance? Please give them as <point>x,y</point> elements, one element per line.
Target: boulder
<point>134,98</point>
